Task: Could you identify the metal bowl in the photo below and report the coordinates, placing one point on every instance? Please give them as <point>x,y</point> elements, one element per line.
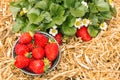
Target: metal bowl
<point>54,63</point>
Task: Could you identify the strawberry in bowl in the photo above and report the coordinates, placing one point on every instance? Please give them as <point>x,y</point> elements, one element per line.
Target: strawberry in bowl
<point>36,54</point>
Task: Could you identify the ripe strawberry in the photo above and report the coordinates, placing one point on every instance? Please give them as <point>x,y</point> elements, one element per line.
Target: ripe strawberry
<point>51,51</point>
<point>30,46</point>
<point>21,61</point>
<point>38,53</point>
<point>58,37</point>
<point>25,38</point>
<point>40,39</point>
<point>37,66</point>
<point>83,33</point>
<point>21,49</point>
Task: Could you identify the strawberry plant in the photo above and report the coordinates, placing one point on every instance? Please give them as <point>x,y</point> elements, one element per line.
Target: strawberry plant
<point>62,16</point>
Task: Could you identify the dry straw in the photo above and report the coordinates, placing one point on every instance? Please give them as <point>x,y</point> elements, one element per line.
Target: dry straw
<point>98,59</point>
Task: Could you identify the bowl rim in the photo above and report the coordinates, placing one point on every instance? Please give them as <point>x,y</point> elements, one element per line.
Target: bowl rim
<point>55,64</point>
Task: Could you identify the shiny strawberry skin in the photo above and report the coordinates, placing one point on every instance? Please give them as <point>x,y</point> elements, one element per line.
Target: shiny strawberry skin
<point>83,33</point>
<point>58,37</point>
<point>21,61</point>
<point>21,49</point>
<point>40,39</point>
<point>51,51</point>
<point>37,66</point>
<point>25,38</point>
<point>38,53</point>
<point>30,46</point>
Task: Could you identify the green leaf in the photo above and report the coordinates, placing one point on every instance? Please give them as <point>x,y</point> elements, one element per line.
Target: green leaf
<point>113,10</point>
<point>70,21</point>
<point>14,9</point>
<point>69,31</point>
<point>39,19</point>
<point>41,4</point>
<point>59,19</point>
<point>47,17</point>
<point>35,11</point>
<point>29,27</point>
<point>32,17</point>
<point>69,3</point>
<point>93,8</point>
<point>106,15</point>
<point>56,10</point>
<point>94,18</point>
<point>79,12</point>
<point>102,6</point>
<point>49,25</point>
<point>93,31</point>
<point>18,25</point>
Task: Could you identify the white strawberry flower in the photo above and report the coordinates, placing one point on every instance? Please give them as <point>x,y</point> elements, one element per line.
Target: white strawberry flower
<point>111,3</point>
<point>86,22</point>
<point>78,23</point>
<point>53,31</point>
<point>103,26</point>
<point>84,3</point>
<point>24,10</point>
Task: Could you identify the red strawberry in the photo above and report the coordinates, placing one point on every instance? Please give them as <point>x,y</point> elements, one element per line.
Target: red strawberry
<point>30,46</point>
<point>38,53</point>
<point>37,66</point>
<point>21,61</point>
<point>25,38</point>
<point>58,37</point>
<point>51,51</point>
<point>40,39</point>
<point>21,49</point>
<point>83,33</point>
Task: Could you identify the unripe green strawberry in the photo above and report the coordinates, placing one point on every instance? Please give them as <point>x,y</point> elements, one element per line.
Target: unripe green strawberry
<point>51,51</point>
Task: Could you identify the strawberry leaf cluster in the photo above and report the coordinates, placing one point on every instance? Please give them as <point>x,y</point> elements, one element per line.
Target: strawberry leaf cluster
<point>32,15</point>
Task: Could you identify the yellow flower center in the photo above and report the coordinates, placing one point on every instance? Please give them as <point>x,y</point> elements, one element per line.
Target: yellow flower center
<point>110,1</point>
<point>102,25</point>
<point>53,30</point>
<point>77,23</point>
<point>84,21</point>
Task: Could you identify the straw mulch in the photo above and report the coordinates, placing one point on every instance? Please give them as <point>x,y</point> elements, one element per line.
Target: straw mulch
<point>98,59</point>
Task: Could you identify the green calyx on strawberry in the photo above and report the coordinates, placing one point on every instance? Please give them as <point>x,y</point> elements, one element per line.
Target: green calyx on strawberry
<point>21,61</point>
<point>83,33</point>
<point>21,49</point>
<point>48,64</point>
<point>38,53</point>
<point>51,51</point>
<point>25,38</point>
<point>40,40</point>
<point>58,38</point>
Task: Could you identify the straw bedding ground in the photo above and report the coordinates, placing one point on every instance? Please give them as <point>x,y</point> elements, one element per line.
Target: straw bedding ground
<point>98,59</point>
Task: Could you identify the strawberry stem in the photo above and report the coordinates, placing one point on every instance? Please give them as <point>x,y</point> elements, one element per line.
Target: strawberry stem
<point>51,40</point>
<point>28,55</point>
